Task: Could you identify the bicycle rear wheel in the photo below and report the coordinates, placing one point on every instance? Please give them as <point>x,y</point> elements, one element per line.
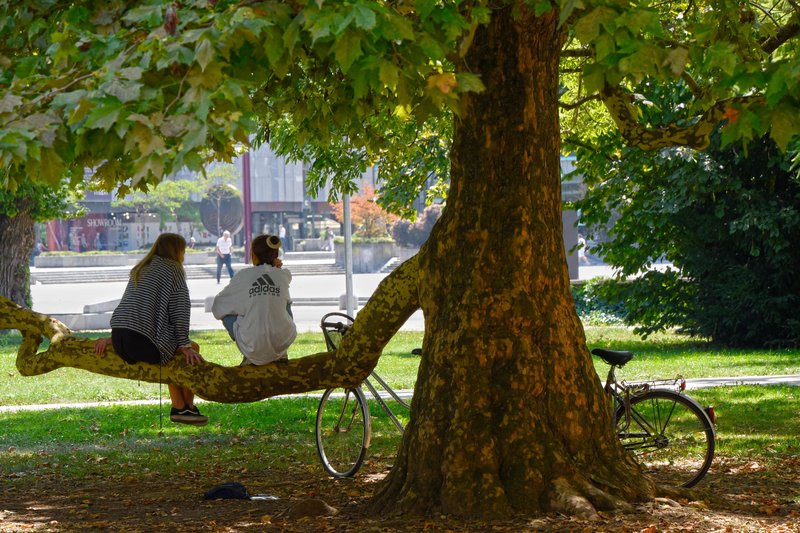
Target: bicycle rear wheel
<point>342,431</point>
<point>670,435</point>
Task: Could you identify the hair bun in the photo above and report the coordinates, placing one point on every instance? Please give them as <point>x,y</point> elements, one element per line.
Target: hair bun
<point>273,242</point>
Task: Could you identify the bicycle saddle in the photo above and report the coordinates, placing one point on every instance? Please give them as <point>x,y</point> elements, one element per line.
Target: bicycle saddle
<point>613,357</point>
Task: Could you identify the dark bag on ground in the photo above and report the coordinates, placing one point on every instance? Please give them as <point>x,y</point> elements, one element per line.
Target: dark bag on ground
<point>227,491</point>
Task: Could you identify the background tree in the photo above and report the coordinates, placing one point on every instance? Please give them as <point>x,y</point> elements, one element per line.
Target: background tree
<point>728,219</point>
<point>408,233</point>
<point>508,412</point>
<point>164,200</point>
<point>366,215</point>
<point>20,209</point>
<point>220,189</point>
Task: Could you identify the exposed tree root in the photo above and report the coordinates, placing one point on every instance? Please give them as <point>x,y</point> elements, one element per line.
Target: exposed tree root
<point>581,498</point>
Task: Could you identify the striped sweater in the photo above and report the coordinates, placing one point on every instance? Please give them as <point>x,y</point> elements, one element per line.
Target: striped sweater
<point>158,306</point>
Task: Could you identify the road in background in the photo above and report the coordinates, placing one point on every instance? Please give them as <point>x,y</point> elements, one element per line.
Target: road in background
<point>69,298</point>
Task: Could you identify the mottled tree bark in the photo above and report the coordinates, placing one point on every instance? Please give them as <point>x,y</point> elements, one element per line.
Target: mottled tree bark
<point>508,412</point>
<point>16,244</point>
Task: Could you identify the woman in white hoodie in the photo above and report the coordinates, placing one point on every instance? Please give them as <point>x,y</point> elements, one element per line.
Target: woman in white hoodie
<point>255,306</point>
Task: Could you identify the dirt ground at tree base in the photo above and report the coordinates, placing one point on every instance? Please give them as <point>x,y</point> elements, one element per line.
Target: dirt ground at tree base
<point>736,497</point>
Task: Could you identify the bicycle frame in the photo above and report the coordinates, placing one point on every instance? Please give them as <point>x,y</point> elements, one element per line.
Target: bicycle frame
<point>376,394</point>
<point>341,328</point>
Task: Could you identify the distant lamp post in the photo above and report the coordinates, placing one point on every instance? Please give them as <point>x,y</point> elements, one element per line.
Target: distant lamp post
<point>248,210</point>
<point>306,213</point>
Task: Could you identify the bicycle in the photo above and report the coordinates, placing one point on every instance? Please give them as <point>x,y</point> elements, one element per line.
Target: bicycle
<point>343,426</point>
<point>670,433</point>
<point>667,430</point>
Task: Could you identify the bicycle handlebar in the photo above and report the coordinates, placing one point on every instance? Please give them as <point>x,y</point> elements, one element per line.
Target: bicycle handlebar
<point>338,326</point>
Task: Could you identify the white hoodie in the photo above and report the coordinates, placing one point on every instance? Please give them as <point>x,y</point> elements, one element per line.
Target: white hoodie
<point>259,296</point>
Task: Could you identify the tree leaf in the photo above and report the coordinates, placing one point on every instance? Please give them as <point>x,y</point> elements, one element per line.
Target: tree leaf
<point>131,73</point>
<point>778,85</point>
<point>425,8</point>
<point>365,17</point>
<point>444,82</point>
<point>291,36</point>
<point>785,126</point>
<point>9,103</point>
<point>388,74</point>
<point>542,7</point>
<point>469,83</point>
<point>721,55</point>
<point>195,137</point>
<point>204,53</point>
<point>149,15</point>
<point>587,28</point>
<point>124,91</point>
<point>567,7</point>
<point>676,60</point>
<point>347,49</point>
<point>104,115</point>
<point>51,166</point>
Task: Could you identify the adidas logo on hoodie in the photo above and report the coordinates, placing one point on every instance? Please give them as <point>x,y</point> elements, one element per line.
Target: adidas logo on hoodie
<point>264,285</point>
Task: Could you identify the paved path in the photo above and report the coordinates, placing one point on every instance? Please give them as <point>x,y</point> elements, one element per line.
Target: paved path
<point>702,383</point>
<point>70,298</point>
<point>698,383</point>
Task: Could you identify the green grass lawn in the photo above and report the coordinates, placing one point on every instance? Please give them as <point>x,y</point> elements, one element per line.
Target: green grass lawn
<point>660,356</point>
<point>666,355</point>
<point>124,450</point>
<point>753,422</point>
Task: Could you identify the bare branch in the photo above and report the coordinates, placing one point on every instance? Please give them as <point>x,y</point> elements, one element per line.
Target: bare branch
<point>577,52</point>
<point>579,102</point>
<point>765,11</point>
<point>697,91</point>
<point>575,141</point>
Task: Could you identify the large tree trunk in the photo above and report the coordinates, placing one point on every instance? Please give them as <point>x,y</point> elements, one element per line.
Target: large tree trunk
<point>16,244</point>
<point>508,412</point>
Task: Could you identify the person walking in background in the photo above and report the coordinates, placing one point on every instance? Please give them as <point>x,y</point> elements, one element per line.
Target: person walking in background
<point>582,258</point>
<point>38,248</point>
<point>192,242</point>
<point>223,249</point>
<point>328,246</point>
<point>151,323</point>
<point>282,236</point>
<point>255,306</point>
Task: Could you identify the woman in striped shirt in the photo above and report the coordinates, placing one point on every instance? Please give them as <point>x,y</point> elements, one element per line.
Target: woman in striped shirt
<point>151,322</point>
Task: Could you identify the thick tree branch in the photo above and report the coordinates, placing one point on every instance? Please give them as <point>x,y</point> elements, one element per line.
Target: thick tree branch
<point>395,299</point>
<point>784,34</point>
<point>695,136</point>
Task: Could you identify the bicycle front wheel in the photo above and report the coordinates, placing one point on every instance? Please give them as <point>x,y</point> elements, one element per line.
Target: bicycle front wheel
<point>671,436</point>
<point>342,431</point>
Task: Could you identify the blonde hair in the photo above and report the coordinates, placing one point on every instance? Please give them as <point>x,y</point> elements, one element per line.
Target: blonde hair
<point>168,246</point>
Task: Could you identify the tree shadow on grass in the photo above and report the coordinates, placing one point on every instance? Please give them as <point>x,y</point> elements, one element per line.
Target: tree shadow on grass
<point>743,496</point>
